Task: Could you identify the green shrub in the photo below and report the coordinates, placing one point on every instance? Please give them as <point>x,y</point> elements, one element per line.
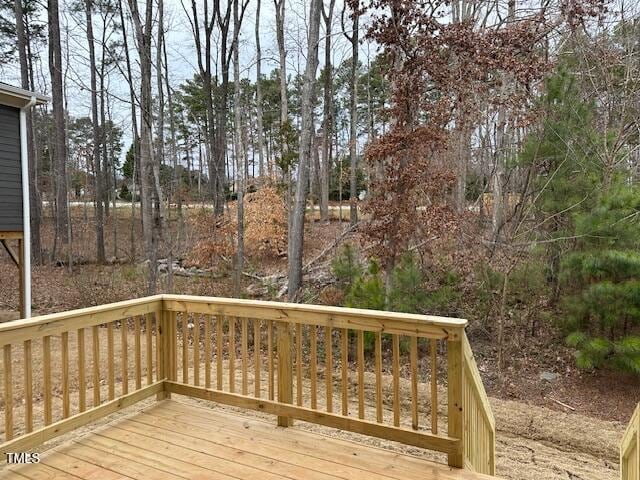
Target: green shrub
<point>346,266</point>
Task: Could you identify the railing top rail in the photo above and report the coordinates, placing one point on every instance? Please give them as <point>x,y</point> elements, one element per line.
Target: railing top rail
<point>55,323</point>
<point>339,317</point>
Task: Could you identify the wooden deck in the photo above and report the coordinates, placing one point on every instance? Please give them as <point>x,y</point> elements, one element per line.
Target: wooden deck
<point>173,440</point>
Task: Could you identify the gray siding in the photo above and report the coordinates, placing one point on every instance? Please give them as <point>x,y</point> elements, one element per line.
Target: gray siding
<point>10,172</point>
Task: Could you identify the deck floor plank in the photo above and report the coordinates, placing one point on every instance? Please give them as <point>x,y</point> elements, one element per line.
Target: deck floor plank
<point>371,459</point>
<point>173,440</point>
<point>238,450</point>
<point>39,471</point>
<point>80,468</point>
<point>246,439</point>
<point>110,462</point>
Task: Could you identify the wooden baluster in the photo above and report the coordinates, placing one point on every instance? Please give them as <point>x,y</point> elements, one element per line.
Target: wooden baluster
<point>196,350</point>
<point>360,361</point>
<point>245,355</point>
<point>95,330</point>
<point>454,399</point>
<point>110,362</point>
<point>8,394</point>
<point>138,352</point>
<point>313,360</point>
<point>159,372</point>
<point>125,359</point>
<point>232,354</point>
<point>328,368</point>
<point>378,355</point>
<point>433,347</point>
<point>185,348</point>
<point>219,352</point>
<point>66,404</point>
<point>46,360</point>
<point>172,320</point>
<point>414,382</point>
<point>207,351</point>
<point>396,379</point>
<point>163,353</point>
<point>82,382</point>
<point>299,378</point>
<point>149,350</point>
<point>28,387</point>
<point>257,357</point>
<point>270,359</point>
<point>344,340</point>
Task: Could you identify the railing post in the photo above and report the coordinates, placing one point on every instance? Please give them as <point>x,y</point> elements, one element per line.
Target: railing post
<point>454,397</point>
<point>167,344</point>
<point>285,369</point>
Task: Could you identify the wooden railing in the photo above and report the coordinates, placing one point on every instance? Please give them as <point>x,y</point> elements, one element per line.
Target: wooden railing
<point>479,425</point>
<point>630,449</point>
<point>45,395</point>
<point>376,373</point>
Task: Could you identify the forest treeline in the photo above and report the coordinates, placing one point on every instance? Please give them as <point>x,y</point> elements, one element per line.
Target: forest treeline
<point>488,151</point>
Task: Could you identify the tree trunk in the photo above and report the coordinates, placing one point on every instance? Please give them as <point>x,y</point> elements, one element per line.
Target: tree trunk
<point>306,141</point>
<point>149,219</point>
<point>97,177</point>
<point>59,133</point>
<point>353,131</point>
<point>239,154</point>
<point>35,205</point>
<point>259,114</point>
<point>498,193</point>
<point>134,130</point>
<point>327,120</point>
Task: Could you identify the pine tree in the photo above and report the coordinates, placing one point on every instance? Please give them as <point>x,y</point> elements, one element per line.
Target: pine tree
<point>602,281</point>
<point>590,225</point>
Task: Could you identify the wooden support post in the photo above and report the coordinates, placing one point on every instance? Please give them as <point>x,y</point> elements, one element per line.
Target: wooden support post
<point>168,343</point>
<point>455,403</point>
<point>285,370</point>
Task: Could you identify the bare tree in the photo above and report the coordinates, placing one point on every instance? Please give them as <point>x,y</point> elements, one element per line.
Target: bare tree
<point>205,70</point>
<point>150,198</point>
<point>98,139</point>
<point>353,105</point>
<point>59,134</point>
<point>296,236</point>
<point>240,165</point>
<point>35,205</point>
<point>259,113</point>
<point>134,130</point>
<point>327,116</point>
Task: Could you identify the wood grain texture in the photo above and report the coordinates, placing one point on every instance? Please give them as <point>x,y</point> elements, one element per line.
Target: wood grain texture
<point>172,441</point>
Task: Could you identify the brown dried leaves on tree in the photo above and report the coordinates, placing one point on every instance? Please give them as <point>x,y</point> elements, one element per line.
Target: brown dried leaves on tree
<point>265,230</point>
<point>443,73</point>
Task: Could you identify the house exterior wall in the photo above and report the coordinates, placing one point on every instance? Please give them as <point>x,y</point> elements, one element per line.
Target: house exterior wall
<point>10,170</point>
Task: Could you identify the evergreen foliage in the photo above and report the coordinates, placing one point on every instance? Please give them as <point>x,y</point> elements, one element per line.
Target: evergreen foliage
<point>590,217</point>
<point>602,283</point>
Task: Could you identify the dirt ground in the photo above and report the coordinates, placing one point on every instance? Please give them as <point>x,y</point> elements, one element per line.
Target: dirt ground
<point>538,437</point>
